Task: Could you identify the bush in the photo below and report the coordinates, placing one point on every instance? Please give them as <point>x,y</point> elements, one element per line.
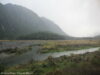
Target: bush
<point>2,68</point>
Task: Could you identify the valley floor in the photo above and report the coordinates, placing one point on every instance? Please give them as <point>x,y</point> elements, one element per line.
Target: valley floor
<point>80,64</point>
<point>85,64</point>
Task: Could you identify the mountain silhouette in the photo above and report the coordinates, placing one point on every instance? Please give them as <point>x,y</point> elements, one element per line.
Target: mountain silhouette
<point>17,21</point>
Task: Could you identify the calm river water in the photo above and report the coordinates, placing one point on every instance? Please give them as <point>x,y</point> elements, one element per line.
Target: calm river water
<point>34,55</point>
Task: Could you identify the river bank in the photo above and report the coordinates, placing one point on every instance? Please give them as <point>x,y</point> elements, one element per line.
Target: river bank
<point>79,64</point>
<point>36,56</point>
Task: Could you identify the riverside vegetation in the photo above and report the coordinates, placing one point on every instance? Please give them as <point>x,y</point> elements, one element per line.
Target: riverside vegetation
<point>85,64</point>
<point>60,46</point>
<point>81,64</point>
<point>17,51</point>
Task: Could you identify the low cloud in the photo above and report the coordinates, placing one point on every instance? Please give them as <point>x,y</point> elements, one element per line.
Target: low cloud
<point>75,17</point>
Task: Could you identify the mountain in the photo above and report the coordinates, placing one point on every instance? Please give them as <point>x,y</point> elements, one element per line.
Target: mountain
<point>17,21</point>
<point>52,26</point>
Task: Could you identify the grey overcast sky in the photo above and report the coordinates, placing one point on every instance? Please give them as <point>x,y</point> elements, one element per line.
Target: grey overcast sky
<point>80,18</point>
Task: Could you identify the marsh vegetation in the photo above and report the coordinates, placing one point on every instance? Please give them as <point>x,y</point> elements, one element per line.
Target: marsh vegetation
<point>69,45</point>
<point>75,64</point>
<point>86,64</point>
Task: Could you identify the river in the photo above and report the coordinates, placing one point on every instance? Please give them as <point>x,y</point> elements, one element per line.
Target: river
<point>35,55</point>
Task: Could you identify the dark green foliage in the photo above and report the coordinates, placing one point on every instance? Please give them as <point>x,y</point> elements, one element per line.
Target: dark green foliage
<point>43,36</point>
<point>2,68</point>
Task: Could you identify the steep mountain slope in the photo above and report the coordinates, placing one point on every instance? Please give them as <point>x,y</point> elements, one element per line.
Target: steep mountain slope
<point>16,21</point>
<point>52,26</point>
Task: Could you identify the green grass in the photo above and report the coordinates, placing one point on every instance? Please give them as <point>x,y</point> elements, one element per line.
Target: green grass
<point>51,49</point>
<point>60,46</point>
<point>86,64</point>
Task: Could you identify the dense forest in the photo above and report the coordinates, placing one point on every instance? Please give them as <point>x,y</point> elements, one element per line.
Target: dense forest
<point>43,36</point>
